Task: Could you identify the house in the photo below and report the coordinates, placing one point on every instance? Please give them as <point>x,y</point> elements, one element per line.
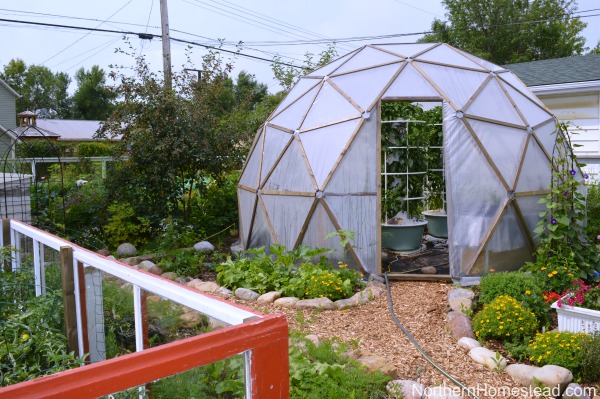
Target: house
<point>570,88</point>
<point>61,130</point>
<point>7,117</point>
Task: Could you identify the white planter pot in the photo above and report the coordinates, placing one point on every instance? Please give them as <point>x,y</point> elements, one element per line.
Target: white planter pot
<point>575,319</point>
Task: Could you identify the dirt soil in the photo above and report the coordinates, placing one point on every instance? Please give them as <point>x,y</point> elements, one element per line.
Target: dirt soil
<point>422,308</point>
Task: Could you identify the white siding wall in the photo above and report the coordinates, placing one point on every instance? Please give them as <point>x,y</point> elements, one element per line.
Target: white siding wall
<point>8,114</point>
<point>582,111</point>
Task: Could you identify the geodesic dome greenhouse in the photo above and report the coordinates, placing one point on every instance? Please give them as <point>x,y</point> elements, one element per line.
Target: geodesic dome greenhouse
<point>314,167</point>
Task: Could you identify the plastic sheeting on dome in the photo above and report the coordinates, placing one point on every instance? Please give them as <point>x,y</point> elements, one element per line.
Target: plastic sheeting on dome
<point>314,167</point>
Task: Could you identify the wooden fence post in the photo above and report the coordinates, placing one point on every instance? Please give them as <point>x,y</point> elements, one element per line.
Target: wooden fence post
<point>6,241</point>
<point>68,288</point>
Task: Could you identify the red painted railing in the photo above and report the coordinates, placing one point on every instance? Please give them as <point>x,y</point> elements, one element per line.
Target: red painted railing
<point>266,339</point>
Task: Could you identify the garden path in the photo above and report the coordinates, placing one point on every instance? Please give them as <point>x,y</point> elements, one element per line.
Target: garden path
<point>422,308</point>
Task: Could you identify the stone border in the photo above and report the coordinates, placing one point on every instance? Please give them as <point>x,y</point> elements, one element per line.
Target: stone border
<point>372,290</point>
<point>556,378</point>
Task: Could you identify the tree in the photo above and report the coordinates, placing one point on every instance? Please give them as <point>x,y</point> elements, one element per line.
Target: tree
<point>595,50</point>
<point>93,100</point>
<point>175,138</point>
<point>510,31</point>
<point>39,88</point>
<point>288,76</point>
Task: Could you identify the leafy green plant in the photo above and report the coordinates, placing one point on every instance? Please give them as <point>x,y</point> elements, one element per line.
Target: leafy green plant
<point>290,272</point>
<point>524,287</point>
<point>563,349</point>
<point>320,371</point>
<point>32,342</point>
<point>590,359</point>
<point>183,262</point>
<point>504,319</point>
<point>415,159</point>
<point>564,254</point>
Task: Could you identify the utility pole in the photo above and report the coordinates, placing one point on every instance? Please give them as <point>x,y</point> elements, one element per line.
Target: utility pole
<point>166,42</point>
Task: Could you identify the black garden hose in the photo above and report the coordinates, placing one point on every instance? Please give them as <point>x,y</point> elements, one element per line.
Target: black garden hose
<point>414,342</point>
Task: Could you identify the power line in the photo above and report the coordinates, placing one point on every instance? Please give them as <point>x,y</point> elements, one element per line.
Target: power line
<point>84,36</point>
<point>143,36</point>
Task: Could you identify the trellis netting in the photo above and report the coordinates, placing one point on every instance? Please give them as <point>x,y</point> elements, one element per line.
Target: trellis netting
<point>314,167</point>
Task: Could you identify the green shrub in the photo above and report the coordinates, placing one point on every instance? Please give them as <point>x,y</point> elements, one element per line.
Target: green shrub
<point>505,319</point>
<point>563,349</point>
<point>592,228</point>
<point>93,149</point>
<point>290,272</point>
<point>524,287</point>
<point>124,226</point>
<point>590,359</point>
<point>214,205</point>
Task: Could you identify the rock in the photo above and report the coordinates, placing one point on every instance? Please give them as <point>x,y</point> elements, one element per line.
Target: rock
<point>204,246</point>
<point>215,324</point>
<point>404,389</point>
<point>374,362</point>
<point>126,250</point>
<point>554,377</point>
<point>246,294</point>
<point>442,392</point>
<point>384,257</point>
<point>368,294</point>
<point>468,343</point>
<point>150,267</point>
<point>460,299</point>
<point>316,303</point>
<point>269,297</point>
<point>314,338</point>
<point>112,257</point>
<point>522,374</point>
<point>183,280</point>
<point>488,358</point>
<point>576,391</point>
<point>170,276</point>
<point>236,248</point>
<point>191,319</point>
<point>428,270</point>
<point>460,325</point>
<point>153,298</point>
<point>346,303</point>
<point>204,286</point>
<point>286,302</point>
<point>132,261</point>
<point>224,291</point>
<point>375,281</point>
<point>104,252</point>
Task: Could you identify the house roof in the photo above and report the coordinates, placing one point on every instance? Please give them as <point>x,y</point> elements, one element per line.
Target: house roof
<point>70,129</point>
<point>583,68</point>
<point>10,89</point>
<point>34,131</point>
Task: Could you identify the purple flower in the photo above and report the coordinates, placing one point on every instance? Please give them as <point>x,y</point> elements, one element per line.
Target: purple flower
<point>553,221</point>
<point>585,176</point>
<point>549,254</point>
<point>598,237</point>
<point>572,172</point>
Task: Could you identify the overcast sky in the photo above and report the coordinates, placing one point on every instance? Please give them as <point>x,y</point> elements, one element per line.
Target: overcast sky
<point>255,23</point>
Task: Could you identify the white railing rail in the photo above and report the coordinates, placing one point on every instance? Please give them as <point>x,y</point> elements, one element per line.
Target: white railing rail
<point>140,280</point>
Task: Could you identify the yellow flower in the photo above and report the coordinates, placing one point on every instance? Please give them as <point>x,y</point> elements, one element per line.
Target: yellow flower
<point>550,274</point>
<point>543,268</point>
<point>528,292</point>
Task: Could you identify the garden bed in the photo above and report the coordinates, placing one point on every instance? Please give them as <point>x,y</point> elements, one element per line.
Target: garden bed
<point>422,308</point>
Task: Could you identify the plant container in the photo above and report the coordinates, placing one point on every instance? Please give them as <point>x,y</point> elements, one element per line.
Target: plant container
<point>406,236</point>
<point>575,319</point>
<point>437,223</point>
